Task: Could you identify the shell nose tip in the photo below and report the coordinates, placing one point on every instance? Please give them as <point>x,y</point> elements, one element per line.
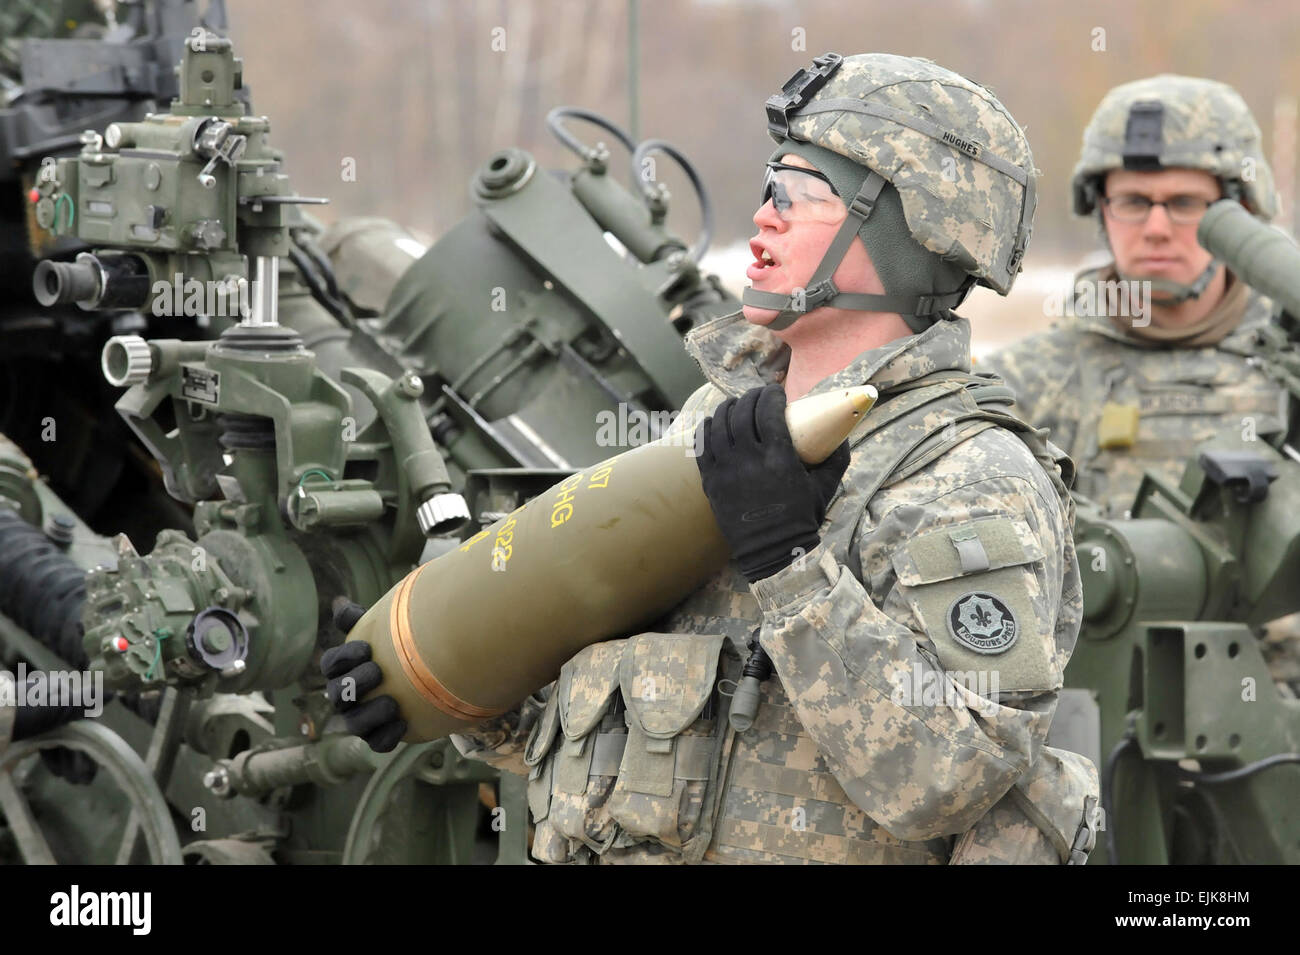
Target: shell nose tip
<point>862,399</point>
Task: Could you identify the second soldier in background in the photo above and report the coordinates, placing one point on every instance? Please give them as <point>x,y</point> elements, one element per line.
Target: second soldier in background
<point>1123,390</point>
<point>1126,390</point>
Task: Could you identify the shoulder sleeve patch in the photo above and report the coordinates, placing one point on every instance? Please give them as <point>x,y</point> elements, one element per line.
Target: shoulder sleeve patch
<point>974,588</point>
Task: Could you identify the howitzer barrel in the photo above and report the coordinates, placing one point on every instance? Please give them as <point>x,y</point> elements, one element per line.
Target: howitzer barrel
<point>469,635</point>
<point>1264,258</point>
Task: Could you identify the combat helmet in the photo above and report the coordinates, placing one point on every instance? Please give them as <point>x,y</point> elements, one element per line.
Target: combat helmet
<point>959,162</point>
<point>1176,122</point>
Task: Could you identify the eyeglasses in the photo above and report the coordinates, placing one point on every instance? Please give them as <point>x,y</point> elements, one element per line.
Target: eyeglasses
<point>1182,210</point>
<point>801,195</point>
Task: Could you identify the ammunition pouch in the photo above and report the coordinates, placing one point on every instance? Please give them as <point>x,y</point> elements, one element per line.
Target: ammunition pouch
<point>628,749</point>
<point>567,786</point>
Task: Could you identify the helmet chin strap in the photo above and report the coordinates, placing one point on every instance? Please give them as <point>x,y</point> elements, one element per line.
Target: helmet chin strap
<point>1175,293</point>
<point>1172,293</point>
<point>914,310</point>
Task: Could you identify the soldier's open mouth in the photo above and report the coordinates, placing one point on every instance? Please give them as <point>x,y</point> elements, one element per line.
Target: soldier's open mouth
<point>763,260</point>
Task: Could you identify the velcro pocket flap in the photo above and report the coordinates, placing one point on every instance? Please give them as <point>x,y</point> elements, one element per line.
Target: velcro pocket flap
<point>971,547</point>
<point>540,769</point>
<point>586,687</point>
<point>542,735</point>
<point>666,680</point>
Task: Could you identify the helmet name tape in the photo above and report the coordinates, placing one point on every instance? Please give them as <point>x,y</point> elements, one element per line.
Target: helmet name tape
<point>923,126</point>
<point>965,145</point>
<point>1143,136</point>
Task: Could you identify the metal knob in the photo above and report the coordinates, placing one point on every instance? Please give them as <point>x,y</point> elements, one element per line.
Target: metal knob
<point>217,781</point>
<point>441,513</point>
<point>236,668</point>
<point>126,360</point>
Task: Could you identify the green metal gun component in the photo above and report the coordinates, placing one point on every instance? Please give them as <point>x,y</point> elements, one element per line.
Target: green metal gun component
<point>1114,557</point>
<point>140,620</point>
<point>369,256</point>
<point>564,246</point>
<point>249,373</point>
<point>337,506</point>
<point>183,196</point>
<point>1251,548</point>
<point>409,778</point>
<point>423,483</point>
<point>532,327</point>
<point>116,758</point>
<point>326,762</point>
<point>1265,258</point>
<point>623,216</point>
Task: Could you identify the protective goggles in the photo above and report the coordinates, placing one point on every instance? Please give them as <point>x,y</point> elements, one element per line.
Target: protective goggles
<point>801,195</point>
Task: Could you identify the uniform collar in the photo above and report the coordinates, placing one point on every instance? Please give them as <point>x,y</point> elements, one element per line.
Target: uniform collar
<point>736,356</point>
<point>1258,311</point>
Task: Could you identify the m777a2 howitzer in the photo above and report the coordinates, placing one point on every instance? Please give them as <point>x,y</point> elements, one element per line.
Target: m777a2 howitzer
<point>319,430</point>
<point>1198,747</point>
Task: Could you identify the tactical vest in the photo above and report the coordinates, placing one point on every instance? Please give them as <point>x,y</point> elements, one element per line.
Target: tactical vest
<point>634,760</point>
<point>1148,409</point>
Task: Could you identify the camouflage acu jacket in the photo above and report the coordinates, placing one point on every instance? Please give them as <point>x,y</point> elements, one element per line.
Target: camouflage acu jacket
<point>918,653</point>
<point>1121,406</point>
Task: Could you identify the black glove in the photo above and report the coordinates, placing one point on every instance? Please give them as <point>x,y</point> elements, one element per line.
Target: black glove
<point>765,501</point>
<point>352,674</point>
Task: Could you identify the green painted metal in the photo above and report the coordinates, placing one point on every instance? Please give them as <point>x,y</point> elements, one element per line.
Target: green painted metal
<point>194,192</point>
<point>381,832</point>
<point>369,410</point>
<point>118,760</point>
<point>563,246</point>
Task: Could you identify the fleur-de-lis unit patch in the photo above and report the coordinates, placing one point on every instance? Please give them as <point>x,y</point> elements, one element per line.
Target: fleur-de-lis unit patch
<point>982,622</point>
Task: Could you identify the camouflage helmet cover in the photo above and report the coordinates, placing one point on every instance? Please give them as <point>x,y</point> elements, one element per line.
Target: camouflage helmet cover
<point>960,162</point>
<point>1183,122</point>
